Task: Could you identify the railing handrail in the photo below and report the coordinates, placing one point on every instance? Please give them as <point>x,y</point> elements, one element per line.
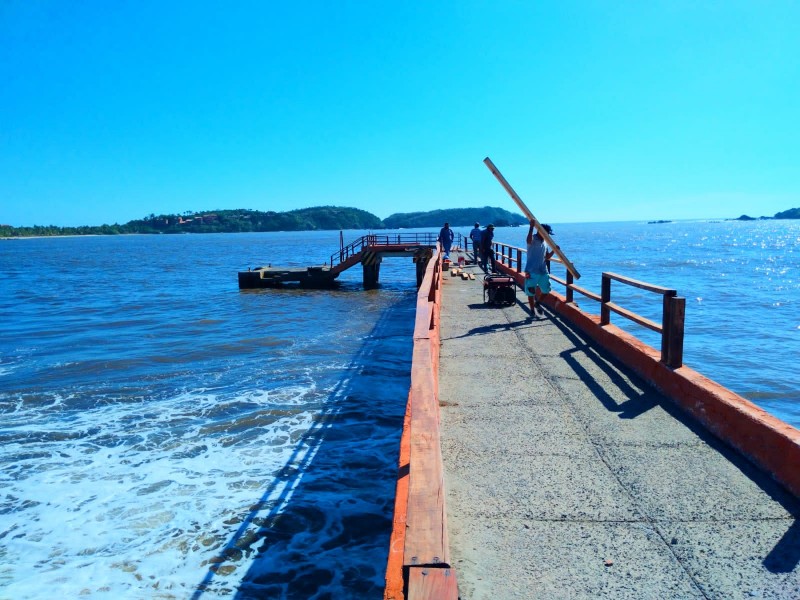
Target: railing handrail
<point>640,284</point>
<point>419,238</point>
<point>671,327</point>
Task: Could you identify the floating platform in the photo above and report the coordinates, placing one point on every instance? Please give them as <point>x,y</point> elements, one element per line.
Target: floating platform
<point>270,277</point>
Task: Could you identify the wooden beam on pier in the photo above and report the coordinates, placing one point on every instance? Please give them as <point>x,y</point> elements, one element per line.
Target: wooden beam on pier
<point>426,534</point>
<point>426,583</point>
<point>524,208</point>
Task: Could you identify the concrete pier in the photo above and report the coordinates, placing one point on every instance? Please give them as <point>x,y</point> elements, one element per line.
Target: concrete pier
<point>567,476</point>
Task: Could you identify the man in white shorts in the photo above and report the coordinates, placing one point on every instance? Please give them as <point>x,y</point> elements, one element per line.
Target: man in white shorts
<point>475,236</point>
<point>537,279</point>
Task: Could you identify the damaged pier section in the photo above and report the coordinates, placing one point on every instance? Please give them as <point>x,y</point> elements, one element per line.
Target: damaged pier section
<point>267,277</point>
<point>368,251</point>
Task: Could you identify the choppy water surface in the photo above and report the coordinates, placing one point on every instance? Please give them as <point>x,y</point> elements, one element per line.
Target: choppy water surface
<point>165,435</point>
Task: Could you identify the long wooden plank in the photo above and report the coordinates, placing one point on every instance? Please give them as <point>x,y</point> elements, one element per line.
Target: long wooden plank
<point>523,207</point>
<point>426,535</point>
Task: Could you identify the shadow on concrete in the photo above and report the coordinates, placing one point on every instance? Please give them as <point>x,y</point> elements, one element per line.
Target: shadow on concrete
<point>502,325</point>
<point>785,556</point>
<point>637,402</point>
<point>321,527</point>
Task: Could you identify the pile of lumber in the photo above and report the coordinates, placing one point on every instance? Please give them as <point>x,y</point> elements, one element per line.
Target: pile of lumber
<point>458,272</point>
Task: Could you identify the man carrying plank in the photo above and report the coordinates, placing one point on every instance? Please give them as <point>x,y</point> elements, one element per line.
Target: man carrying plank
<point>537,279</point>
<point>524,208</point>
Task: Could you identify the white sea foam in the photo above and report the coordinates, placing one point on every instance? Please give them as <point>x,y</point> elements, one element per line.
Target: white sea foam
<point>139,508</point>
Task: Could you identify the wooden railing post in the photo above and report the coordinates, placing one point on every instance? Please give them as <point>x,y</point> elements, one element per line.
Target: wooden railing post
<point>605,298</point>
<point>519,260</point>
<point>672,333</point>
<point>570,294</point>
<point>666,319</point>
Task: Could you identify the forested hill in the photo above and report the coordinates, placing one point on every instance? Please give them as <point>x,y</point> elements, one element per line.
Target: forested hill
<point>220,221</point>
<point>304,219</point>
<point>457,217</point>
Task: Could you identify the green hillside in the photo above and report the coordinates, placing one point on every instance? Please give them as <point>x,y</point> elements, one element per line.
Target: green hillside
<point>220,221</point>
<point>457,217</point>
<point>302,219</point>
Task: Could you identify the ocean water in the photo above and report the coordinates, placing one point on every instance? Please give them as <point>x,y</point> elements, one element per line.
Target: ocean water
<point>741,281</point>
<point>165,435</point>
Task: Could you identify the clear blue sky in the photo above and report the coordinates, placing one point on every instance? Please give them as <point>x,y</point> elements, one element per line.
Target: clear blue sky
<point>594,111</point>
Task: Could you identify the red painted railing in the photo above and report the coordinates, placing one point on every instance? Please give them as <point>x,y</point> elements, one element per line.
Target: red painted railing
<point>388,239</point>
<point>673,307</point>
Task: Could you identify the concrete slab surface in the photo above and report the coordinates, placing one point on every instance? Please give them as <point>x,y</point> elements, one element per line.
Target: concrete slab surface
<point>569,477</point>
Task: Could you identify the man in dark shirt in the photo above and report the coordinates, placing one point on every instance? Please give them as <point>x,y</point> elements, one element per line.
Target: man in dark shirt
<point>487,249</point>
<point>446,237</point>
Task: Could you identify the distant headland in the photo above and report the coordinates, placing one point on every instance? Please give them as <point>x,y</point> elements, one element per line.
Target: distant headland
<point>792,213</point>
<point>303,219</point>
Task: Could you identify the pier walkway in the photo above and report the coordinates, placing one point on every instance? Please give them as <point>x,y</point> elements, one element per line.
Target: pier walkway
<point>566,476</point>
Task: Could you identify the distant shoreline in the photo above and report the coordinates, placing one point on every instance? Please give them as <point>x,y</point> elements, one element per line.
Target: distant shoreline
<point>743,218</point>
<point>74,235</point>
<point>320,218</point>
